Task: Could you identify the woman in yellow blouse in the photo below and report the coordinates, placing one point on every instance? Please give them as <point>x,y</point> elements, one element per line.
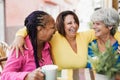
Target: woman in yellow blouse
<point>69,47</point>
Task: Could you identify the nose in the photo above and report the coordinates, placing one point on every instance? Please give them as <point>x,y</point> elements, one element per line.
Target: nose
<point>74,24</point>
<point>93,26</point>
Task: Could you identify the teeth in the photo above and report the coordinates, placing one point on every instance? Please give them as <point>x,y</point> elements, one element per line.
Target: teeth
<point>72,30</point>
<point>96,30</point>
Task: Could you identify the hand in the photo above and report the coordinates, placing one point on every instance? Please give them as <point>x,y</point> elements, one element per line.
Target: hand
<point>35,75</point>
<point>18,44</point>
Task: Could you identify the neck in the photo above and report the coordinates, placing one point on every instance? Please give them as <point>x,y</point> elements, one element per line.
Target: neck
<point>102,40</point>
<point>70,38</point>
<point>72,42</point>
<point>105,38</point>
<point>40,44</point>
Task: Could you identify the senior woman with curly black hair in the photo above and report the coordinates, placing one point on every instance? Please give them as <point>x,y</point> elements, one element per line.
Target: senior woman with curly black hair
<point>40,28</point>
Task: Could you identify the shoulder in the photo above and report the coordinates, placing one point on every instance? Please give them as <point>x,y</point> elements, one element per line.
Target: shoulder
<point>94,41</point>
<point>86,33</point>
<point>115,45</point>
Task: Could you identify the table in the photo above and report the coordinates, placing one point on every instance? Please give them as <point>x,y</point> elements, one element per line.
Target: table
<point>79,74</point>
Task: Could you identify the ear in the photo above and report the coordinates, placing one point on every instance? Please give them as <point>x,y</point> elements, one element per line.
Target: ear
<point>39,28</point>
<point>110,27</point>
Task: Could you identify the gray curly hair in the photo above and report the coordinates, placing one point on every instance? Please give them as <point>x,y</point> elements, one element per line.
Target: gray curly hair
<point>109,16</point>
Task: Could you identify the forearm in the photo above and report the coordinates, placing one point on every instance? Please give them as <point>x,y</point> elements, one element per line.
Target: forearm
<point>117,36</point>
<point>12,69</point>
<point>90,35</point>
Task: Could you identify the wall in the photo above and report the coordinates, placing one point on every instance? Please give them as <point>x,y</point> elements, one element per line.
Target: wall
<point>17,10</point>
<point>2,24</point>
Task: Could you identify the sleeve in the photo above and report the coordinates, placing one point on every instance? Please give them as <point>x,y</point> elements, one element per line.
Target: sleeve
<point>22,32</point>
<point>117,36</point>
<point>12,68</point>
<point>90,53</point>
<point>90,35</point>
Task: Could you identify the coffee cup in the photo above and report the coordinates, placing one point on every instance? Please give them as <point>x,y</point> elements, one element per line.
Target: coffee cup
<point>50,72</point>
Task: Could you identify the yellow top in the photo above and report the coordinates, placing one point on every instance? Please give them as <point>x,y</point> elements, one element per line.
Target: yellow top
<point>62,53</point>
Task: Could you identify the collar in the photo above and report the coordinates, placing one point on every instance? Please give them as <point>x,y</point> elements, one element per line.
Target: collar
<point>29,45</point>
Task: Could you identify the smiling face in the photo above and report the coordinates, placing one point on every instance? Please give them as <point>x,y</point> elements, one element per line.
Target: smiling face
<point>108,16</point>
<point>70,26</point>
<point>100,29</point>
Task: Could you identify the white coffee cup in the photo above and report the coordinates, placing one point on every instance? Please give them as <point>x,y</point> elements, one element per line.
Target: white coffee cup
<point>50,72</point>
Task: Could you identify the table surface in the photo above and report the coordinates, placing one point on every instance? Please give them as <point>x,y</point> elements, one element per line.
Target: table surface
<point>78,74</point>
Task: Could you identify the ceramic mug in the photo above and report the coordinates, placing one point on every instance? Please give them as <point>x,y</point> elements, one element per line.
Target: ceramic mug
<point>50,72</point>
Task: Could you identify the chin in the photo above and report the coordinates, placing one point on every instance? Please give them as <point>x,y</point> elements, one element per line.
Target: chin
<point>49,38</point>
<point>73,33</point>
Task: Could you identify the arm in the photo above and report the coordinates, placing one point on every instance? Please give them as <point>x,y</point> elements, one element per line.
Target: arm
<point>117,36</point>
<point>16,69</point>
<point>12,67</point>
<point>19,43</point>
<point>91,35</point>
<point>22,32</point>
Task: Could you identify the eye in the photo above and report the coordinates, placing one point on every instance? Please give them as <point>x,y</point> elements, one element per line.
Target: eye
<point>69,22</point>
<point>97,23</point>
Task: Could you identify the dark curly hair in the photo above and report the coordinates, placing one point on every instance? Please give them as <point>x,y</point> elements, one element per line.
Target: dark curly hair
<point>32,21</point>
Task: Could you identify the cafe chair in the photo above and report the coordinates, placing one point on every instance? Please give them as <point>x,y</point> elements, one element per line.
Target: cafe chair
<point>3,54</point>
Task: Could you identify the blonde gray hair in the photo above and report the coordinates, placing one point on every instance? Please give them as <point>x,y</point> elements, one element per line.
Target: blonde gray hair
<point>109,16</point>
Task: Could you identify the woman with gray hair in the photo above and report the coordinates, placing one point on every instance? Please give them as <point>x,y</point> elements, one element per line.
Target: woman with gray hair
<point>105,23</point>
<point>108,16</point>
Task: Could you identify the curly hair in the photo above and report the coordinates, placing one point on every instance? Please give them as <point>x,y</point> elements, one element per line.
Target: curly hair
<point>32,21</point>
<point>109,16</point>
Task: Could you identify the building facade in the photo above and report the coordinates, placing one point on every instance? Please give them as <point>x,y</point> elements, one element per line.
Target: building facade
<point>13,12</point>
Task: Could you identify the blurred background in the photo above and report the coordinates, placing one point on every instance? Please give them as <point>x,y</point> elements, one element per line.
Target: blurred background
<point>13,12</point>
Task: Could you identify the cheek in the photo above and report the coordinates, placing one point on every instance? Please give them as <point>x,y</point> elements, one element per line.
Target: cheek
<point>66,29</point>
<point>104,29</point>
<point>77,27</point>
<point>50,33</point>
<point>38,35</point>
